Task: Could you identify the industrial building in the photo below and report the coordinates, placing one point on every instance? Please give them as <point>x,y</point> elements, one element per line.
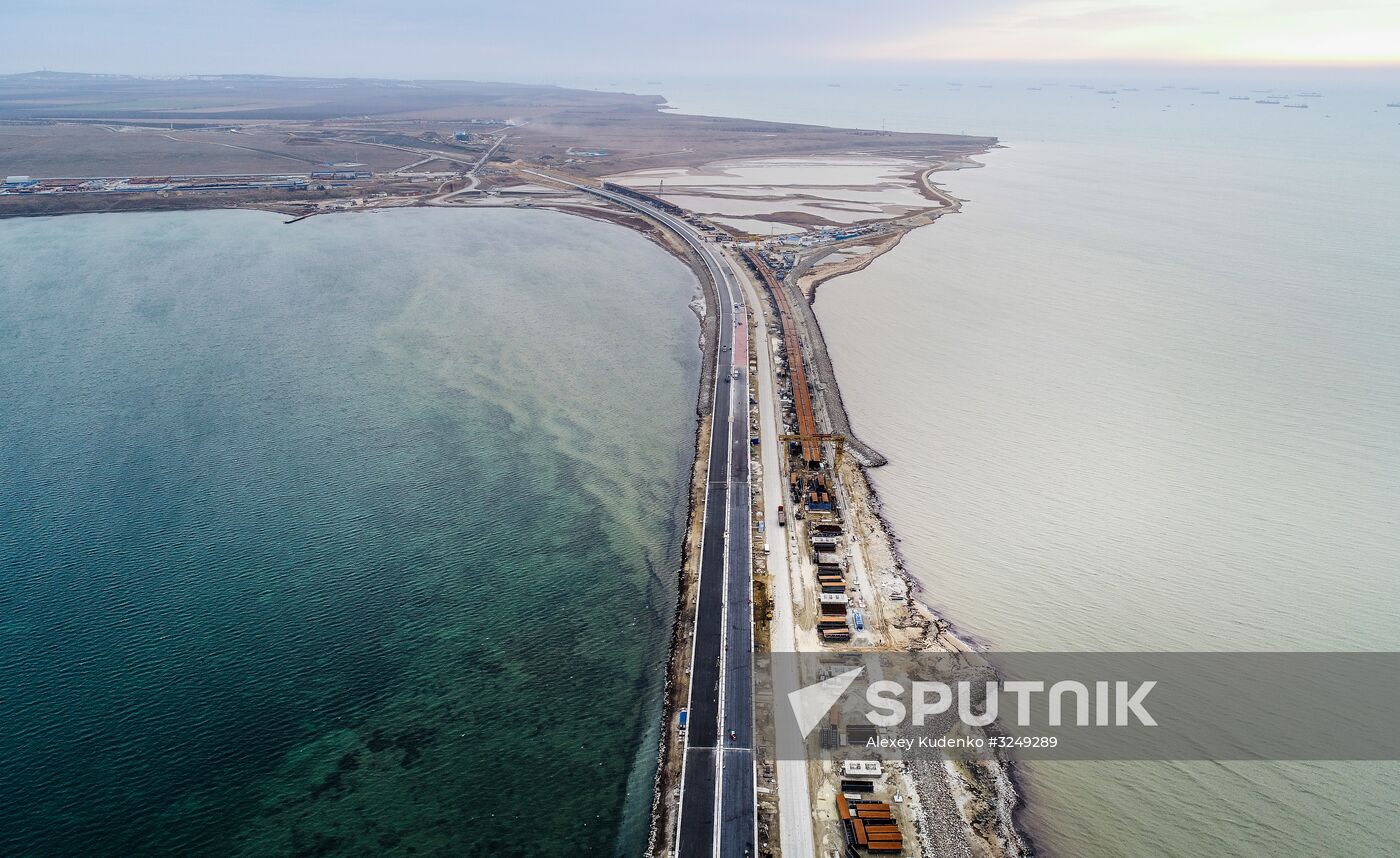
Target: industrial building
<point>342,171</point>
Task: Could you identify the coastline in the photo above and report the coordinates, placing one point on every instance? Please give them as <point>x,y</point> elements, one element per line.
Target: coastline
<point>992,790</point>
<point>666,779</point>
<point>981,804</point>
<point>1000,824</point>
<point>922,627</point>
<point>1109,423</point>
<point>990,795</point>
<point>1002,830</point>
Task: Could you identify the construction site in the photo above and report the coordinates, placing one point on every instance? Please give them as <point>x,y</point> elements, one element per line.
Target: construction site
<point>849,596</point>
<point>825,580</point>
<point>857,808</point>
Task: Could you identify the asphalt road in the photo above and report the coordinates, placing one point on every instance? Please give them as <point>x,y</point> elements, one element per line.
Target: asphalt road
<point>794,800</point>
<point>718,813</point>
<point>736,800</point>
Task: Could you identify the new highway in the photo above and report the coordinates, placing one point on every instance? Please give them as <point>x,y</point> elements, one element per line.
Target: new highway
<point>718,812</point>
<point>794,799</point>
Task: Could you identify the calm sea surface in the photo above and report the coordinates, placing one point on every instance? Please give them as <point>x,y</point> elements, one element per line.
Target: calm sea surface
<point>1143,393</point>
<point>353,537</point>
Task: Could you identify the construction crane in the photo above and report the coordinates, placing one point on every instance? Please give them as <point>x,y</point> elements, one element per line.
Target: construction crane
<point>838,441</point>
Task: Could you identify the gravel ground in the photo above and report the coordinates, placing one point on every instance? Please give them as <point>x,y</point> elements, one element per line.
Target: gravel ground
<point>941,827</point>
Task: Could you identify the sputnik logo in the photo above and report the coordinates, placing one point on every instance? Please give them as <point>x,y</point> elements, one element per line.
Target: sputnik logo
<point>810,704</point>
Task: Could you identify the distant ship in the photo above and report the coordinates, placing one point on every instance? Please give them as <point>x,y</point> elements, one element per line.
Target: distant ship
<point>1033,88</point>
<point>1266,101</point>
<point>1295,105</point>
<point>1130,89</point>
<point>1210,92</point>
<point>1394,104</point>
<point>1239,98</point>
<point>1108,92</point>
<point>1310,95</point>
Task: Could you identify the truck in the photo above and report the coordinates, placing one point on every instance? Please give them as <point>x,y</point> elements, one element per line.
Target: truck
<point>782,521</point>
<point>682,719</point>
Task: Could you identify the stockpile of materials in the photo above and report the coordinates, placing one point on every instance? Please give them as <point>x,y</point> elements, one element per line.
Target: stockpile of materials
<point>869,824</point>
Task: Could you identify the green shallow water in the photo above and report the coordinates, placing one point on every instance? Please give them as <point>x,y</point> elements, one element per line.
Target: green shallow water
<point>353,537</point>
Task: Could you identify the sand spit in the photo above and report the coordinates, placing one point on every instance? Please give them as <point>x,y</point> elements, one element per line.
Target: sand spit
<point>962,809</point>
<point>959,809</point>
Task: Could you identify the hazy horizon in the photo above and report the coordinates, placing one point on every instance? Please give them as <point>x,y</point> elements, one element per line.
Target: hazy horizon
<point>666,85</point>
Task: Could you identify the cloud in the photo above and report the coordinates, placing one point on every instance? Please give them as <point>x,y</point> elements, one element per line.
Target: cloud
<point>1107,18</point>
<point>554,38</point>
<point>1186,30</point>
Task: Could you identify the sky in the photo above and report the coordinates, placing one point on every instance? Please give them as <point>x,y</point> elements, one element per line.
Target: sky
<point>539,41</point>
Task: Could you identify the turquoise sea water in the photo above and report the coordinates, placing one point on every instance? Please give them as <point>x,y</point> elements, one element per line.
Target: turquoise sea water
<point>353,537</point>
